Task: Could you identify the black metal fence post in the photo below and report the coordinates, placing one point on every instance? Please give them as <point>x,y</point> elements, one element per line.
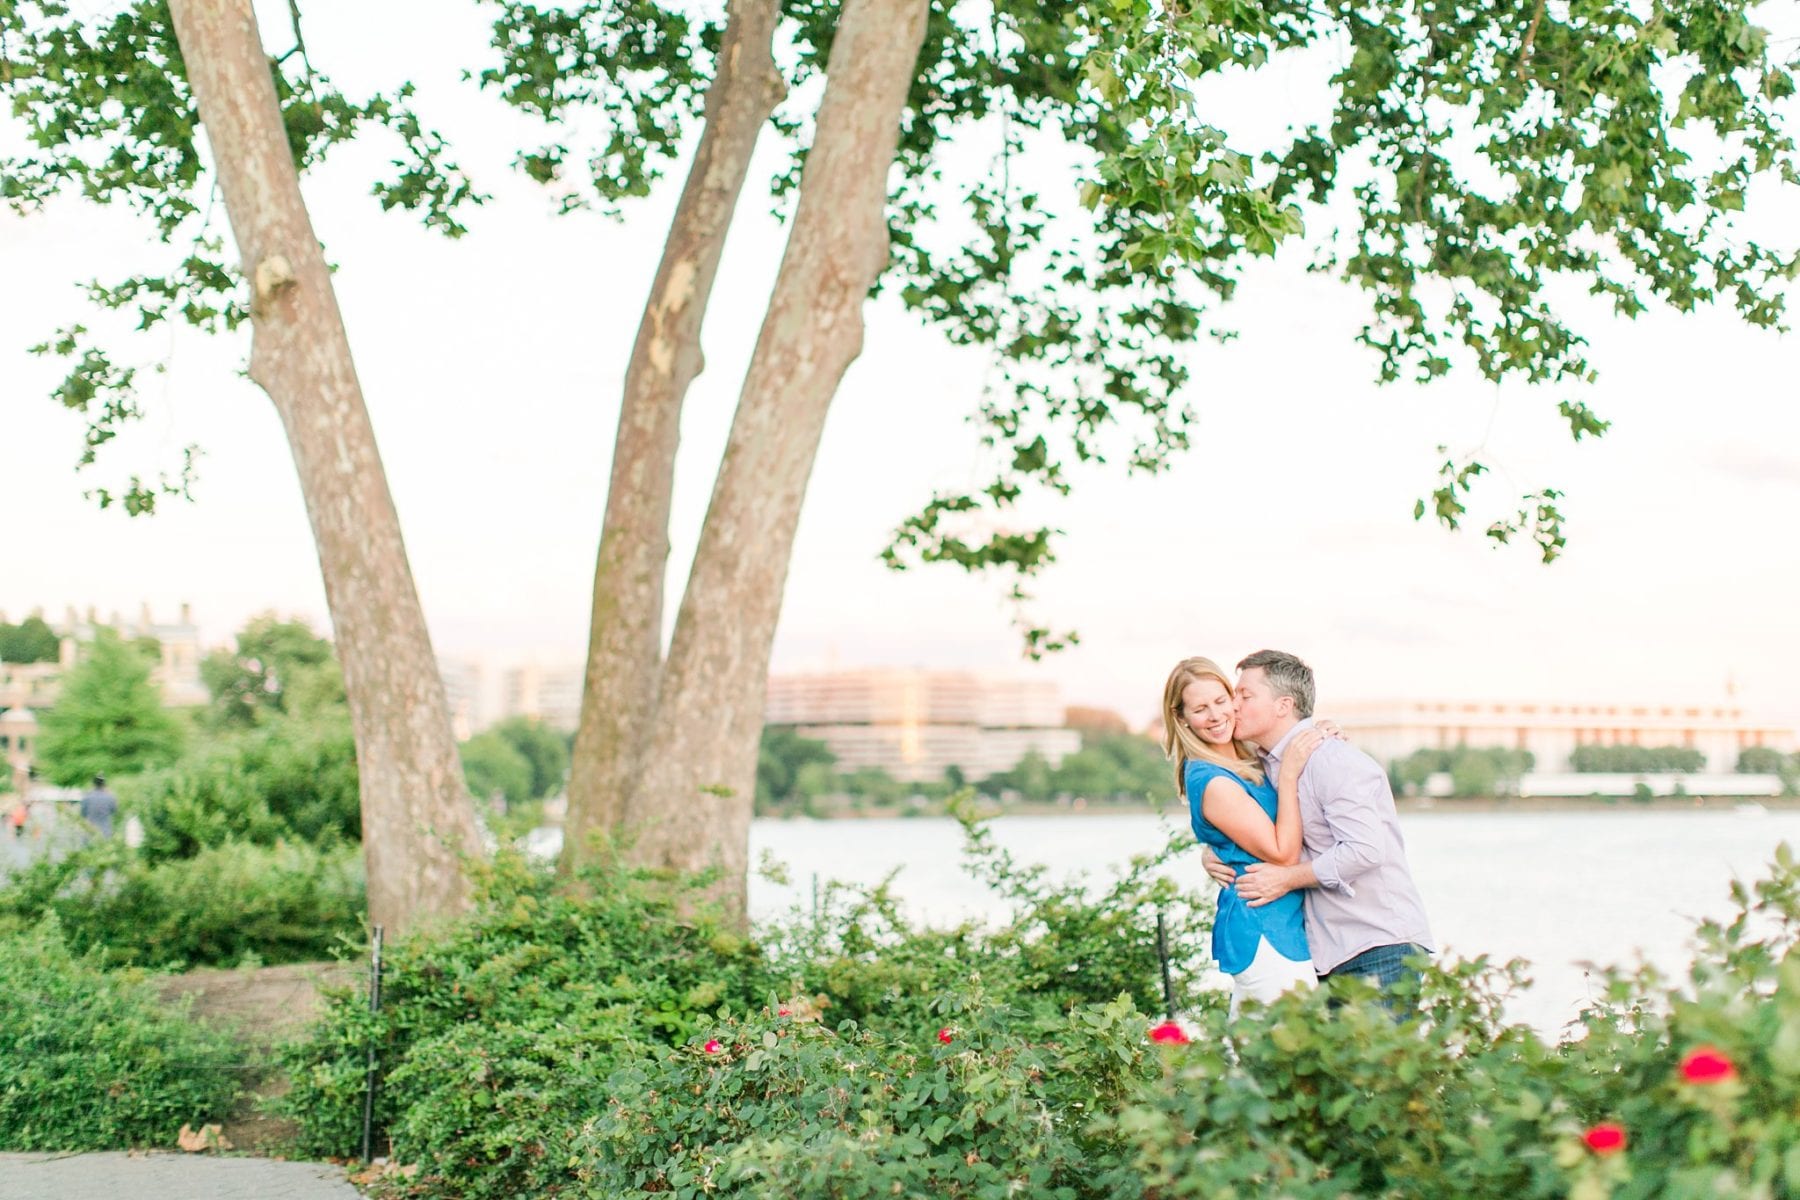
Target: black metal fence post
<point>1162,956</point>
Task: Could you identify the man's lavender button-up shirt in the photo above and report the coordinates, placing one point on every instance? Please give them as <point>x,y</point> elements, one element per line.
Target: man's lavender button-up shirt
<point>1350,834</point>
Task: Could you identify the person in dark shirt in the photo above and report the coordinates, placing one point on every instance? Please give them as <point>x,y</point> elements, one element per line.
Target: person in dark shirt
<point>98,807</point>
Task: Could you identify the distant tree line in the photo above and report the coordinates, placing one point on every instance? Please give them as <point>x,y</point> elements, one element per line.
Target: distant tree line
<point>30,641</point>
<point>1766,760</point>
<point>799,774</point>
<point>1473,770</point>
<point>1636,760</point>
<point>1489,771</point>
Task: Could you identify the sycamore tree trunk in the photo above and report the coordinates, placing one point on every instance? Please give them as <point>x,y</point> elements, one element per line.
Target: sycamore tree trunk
<point>625,632</point>
<point>691,805</point>
<point>416,818</point>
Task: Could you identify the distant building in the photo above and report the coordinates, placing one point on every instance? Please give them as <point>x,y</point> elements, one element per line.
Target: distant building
<point>18,731</point>
<point>916,724</point>
<point>1095,720</point>
<point>177,672</point>
<point>25,687</point>
<point>29,685</point>
<point>1392,729</point>
<point>551,694</point>
<point>463,685</point>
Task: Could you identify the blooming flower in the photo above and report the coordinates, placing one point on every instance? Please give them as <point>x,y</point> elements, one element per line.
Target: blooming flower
<point>782,1012</point>
<point>1169,1032</point>
<point>1605,1138</point>
<point>1708,1064</point>
<point>713,1046</point>
<point>945,1036</point>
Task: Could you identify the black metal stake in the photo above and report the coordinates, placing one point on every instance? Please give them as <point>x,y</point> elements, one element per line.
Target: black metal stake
<point>369,1084</point>
<point>1162,956</point>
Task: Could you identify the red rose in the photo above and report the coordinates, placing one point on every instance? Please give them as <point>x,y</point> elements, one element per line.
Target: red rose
<point>1708,1064</point>
<point>713,1047</point>
<point>1170,1033</point>
<point>945,1036</point>
<point>1605,1138</point>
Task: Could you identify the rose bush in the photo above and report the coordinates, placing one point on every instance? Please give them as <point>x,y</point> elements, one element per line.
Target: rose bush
<point>857,1056</point>
<point>498,1034</point>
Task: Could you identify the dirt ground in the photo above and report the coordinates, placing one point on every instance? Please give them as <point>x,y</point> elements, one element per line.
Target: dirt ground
<point>262,1006</point>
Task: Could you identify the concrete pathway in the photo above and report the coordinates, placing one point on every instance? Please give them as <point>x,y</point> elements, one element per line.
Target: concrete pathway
<point>122,1176</point>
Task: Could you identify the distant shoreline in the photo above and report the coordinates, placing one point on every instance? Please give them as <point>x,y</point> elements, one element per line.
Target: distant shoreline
<point>1410,805</point>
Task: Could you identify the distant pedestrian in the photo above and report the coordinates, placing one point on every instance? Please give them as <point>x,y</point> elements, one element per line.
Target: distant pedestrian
<point>18,816</point>
<point>98,807</point>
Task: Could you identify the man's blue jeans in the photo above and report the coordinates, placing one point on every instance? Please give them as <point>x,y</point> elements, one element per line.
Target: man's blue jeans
<point>1382,966</point>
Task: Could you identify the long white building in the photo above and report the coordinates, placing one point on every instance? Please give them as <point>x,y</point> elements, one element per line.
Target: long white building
<point>1550,730</point>
<point>915,724</point>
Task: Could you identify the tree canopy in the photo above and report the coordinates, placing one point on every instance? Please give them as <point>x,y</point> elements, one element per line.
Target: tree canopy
<point>1471,169</point>
<point>1474,158</point>
<point>278,667</point>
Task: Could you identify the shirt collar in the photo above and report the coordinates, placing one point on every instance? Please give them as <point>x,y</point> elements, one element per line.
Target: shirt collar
<point>1273,753</point>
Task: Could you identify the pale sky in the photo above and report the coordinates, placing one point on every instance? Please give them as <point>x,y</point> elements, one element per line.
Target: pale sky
<point>492,369</point>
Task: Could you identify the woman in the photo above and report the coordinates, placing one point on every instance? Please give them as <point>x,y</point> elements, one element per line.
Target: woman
<point>1245,819</point>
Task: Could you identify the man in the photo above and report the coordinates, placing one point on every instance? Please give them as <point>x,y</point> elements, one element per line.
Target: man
<point>98,807</point>
<point>1363,913</point>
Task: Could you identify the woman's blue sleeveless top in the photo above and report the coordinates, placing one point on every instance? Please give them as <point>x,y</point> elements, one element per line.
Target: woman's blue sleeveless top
<point>1238,927</point>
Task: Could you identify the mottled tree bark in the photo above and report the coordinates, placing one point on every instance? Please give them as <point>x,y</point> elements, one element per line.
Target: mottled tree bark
<point>624,659</point>
<point>416,817</point>
<point>691,805</point>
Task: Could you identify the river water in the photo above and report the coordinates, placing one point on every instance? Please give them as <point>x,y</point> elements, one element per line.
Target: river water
<point>1558,889</point>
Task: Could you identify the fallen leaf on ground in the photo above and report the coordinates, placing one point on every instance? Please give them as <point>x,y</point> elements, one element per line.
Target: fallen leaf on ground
<point>207,1137</point>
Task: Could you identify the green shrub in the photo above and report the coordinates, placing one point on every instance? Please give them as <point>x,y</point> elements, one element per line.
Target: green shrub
<point>780,1106</point>
<point>250,852</point>
<point>228,904</point>
<point>1315,1104</point>
<point>1307,1102</point>
<point>617,1046</point>
<point>525,1092</point>
<point>499,1035</point>
<point>91,1059</point>
<point>285,780</point>
<point>1060,946</point>
<point>536,979</point>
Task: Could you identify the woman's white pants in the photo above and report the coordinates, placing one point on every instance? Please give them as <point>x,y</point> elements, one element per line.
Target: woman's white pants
<point>1268,976</point>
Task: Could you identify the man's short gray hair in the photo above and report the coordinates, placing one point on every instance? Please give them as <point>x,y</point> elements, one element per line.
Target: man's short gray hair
<point>1287,676</point>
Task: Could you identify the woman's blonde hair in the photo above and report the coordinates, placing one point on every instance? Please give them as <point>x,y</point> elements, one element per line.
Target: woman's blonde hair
<point>1182,745</point>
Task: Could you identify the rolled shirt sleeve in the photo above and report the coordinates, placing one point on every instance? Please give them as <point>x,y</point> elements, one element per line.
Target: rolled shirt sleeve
<point>1352,794</point>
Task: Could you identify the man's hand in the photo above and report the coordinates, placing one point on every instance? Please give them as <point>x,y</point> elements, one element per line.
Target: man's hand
<point>1222,873</point>
<point>1264,883</point>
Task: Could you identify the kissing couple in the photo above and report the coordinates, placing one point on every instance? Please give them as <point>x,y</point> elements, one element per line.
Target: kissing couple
<point>1298,828</point>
